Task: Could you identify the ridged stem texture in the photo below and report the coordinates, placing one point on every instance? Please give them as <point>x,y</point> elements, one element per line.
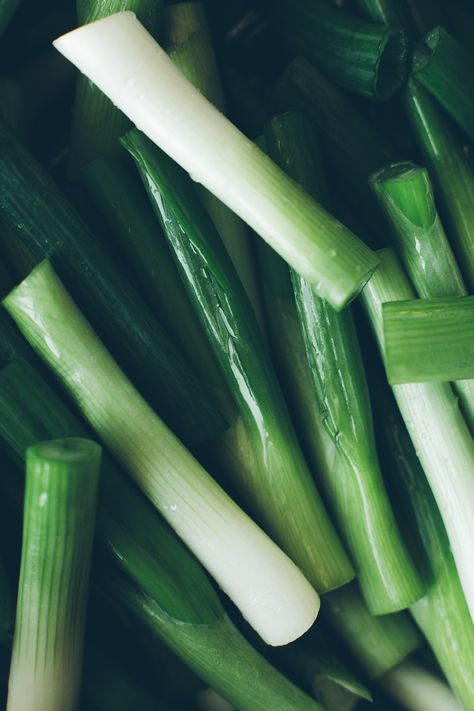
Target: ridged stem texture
<point>114,50</point>
<point>368,59</point>
<point>59,515</point>
<point>438,431</point>
<point>271,474</point>
<point>97,124</point>
<point>353,483</point>
<point>453,179</point>
<point>253,571</point>
<point>446,69</point>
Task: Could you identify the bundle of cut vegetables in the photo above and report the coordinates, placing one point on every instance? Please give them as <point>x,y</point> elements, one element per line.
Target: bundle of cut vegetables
<point>237,355</point>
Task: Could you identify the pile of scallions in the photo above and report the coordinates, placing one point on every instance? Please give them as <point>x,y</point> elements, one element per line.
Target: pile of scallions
<point>237,355</point>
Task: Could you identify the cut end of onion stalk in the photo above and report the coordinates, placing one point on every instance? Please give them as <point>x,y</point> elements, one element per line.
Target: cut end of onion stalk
<point>127,65</point>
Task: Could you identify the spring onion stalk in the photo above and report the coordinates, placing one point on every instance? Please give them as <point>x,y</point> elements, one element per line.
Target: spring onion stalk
<point>351,143</point>
<point>270,472</point>
<point>352,479</point>
<point>249,567</point>
<point>187,41</point>
<point>97,124</point>
<point>113,52</point>
<point>452,175</point>
<point>368,59</point>
<point>188,615</point>
<point>429,339</point>
<point>41,222</point>
<point>7,10</point>
<point>417,689</point>
<point>392,13</point>
<point>315,665</point>
<point>59,516</point>
<point>112,184</point>
<point>438,431</point>
<point>210,700</point>
<point>446,69</point>
<point>377,643</point>
<point>442,613</point>
<point>248,673</point>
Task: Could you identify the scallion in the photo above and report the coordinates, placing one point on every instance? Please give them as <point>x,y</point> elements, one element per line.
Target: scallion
<point>417,689</point>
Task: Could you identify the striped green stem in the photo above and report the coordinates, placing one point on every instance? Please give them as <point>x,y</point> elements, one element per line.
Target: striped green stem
<point>429,339</point>
<point>368,59</point>
<point>135,234</point>
<point>353,483</point>
<point>97,124</point>
<point>187,41</point>
<point>446,69</point>
<point>36,222</point>
<point>351,142</point>
<point>442,613</point>
<point>406,196</point>
<point>379,643</point>
<point>190,613</point>
<point>438,431</point>
<point>250,568</point>
<point>217,155</point>
<point>271,472</point>
<point>59,516</point>
<point>450,170</point>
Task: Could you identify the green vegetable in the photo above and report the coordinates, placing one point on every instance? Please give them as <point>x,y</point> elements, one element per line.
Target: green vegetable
<point>270,471</point>
<point>359,56</point>
<point>429,339</point>
<point>418,689</point>
<point>444,67</point>
<point>97,124</point>
<point>40,222</point>
<point>351,477</point>
<point>217,155</point>
<point>250,568</point>
<point>437,429</point>
<point>453,179</point>
<point>59,516</point>
<point>187,40</point>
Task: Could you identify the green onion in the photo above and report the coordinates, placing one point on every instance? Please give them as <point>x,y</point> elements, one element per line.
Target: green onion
<point>452,175</point>
<point>97,124</point>
<point>429,339</point>
<point>377,643</point>
<point>314,663</point>
<point>112,184</point>
<point>249,567</point>
<point>351,143</point>
<point>270,471</point>
<point>417,689</point>
<point>437,429</point>
<point>210,700</point>
<point>444,67</point>
<point>392,13</point>
<point>442,613</point>
<point>246,674</point>
<point>190,612</point>
<point>40,222</point>
<point>59,516</point>
<point>351,479</point>
<point>7,10</point>
<point>114,51</point>
<point>405,193</point>
<point>187,41</point>
<point>359,56</point>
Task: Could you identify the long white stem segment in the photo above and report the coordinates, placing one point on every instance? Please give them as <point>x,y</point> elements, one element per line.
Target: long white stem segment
<point>58,527</point>
<point>126,63</point>
<point>438,430</point>
<point>267,587</point>
<point>417,689</point>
